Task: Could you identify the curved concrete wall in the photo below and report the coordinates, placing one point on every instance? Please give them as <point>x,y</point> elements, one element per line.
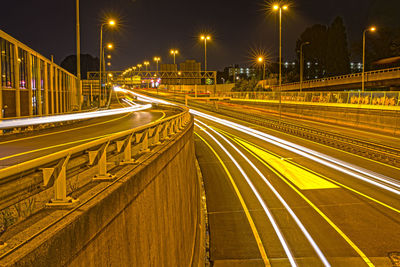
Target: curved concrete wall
<point>150,218</point>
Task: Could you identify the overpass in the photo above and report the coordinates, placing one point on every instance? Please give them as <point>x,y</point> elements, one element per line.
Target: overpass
<point>387,78</point>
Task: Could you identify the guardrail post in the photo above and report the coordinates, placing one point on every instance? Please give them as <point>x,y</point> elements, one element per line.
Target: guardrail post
<point>171,128</point>
<point>99,157</point>
<point>57,176</point>
<point>164,132</point>
<point>154,136</point>
<point>126,146</point>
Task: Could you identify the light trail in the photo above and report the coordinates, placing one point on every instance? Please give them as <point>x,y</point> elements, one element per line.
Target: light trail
<point>5,124</point>
<point>323,159</point>
<point>384,182</point>
<point>261,201</point>
<point>276,193</point>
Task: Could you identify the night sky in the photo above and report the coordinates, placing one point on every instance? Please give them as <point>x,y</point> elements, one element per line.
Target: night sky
<point>151,27</point>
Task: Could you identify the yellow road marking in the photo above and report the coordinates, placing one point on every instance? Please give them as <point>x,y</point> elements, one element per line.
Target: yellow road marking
<point>244,206</point>
<point>320,175</point>
<point>343,151</point>
<point>326,218</point>
<point>301,178</point>
<point>64,131</point>
<point>50,147</point>
<point>64,144</point>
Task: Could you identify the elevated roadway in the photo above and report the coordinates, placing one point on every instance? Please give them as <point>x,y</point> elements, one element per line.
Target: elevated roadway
<point>374,79</point>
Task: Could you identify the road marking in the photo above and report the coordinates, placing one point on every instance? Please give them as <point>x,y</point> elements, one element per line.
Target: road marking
<point>65,144</point>
<point>301,178</point>
<point>64,131</point>
<point>325,217</point>
<point>322,176</point>
<point>242,202</point>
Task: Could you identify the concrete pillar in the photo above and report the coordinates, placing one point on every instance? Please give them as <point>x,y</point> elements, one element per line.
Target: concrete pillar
<point>29,83</point>
<point>46,89</point>
<point>16,85</point>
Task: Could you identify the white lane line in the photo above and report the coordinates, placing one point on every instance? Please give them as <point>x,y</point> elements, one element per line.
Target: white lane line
<point>264,206</point>
<point>284,203</point>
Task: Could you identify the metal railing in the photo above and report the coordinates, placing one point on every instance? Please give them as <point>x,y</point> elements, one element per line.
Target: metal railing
<point>124,145</point>
<point>369,76</point>
<point>389,98</point>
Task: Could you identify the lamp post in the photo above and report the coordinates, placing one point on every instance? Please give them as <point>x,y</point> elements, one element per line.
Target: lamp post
<point>371,29</point>
<point>174,52</point>
<point>157,59</point>
<point>279,8</point>
<point>146,64</point>
<point>261,59</point>
<point>110,23</point>
<point>108,46</point>
<point>78,55</point>
<point>302,64</point>
<point>205,38</point>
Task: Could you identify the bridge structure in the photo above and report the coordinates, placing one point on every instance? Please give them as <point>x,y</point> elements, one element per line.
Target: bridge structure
<point>385,78</point>
<point>32,85</point>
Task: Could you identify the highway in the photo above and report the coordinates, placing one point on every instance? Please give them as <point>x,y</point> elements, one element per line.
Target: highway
<point>323,215</point>
<point>278,200</point>
<point>15,149</point>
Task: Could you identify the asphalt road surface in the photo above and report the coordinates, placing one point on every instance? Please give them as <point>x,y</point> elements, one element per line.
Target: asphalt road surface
<point>14,150</point>
<point>272,205</point>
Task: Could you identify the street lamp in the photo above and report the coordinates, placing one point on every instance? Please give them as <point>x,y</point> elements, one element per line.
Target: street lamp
<point>157,59</point>
<point>261,60</point>
<point>110,23</point>
<point>146,64</point>
<point>205,38</point>
<point>174,52</point>
<point>302,64</point>
<point>371,29</point>
<point>109,46</point>
<point>278,7</point>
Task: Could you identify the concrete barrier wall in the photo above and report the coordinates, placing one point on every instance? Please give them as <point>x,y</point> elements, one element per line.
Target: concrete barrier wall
<point>149,218</point>
<point>383,121</point>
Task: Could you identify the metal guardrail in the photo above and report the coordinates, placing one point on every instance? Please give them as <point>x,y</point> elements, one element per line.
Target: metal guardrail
<point>368,76</point>
<point>389,98</point>
<point>126,144</point>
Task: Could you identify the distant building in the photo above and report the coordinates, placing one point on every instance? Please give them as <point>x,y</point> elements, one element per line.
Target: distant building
<point>236,72</point>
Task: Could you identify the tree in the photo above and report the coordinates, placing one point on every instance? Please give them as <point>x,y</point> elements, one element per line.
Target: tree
<point>337,54</point>
<point>315,52</point>
<point>88,63</point>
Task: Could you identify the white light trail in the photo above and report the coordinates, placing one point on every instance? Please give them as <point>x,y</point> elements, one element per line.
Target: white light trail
<point>256,193</point>
<point>5,124</point>
<point>376,179</point>
<point>284,203</point>
<point>387,183</point>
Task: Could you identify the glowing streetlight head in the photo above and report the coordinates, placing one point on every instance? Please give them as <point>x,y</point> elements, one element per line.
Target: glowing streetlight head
<point>109,64</point>
<point>110,46</point>
<point>139,65</point>
<point>157,59</point>
<point>285,7</point>
<point>202,37</point>
<point>208,37</point>
<point>260,59</point>
<point>146,63</point>
<point>110,75</point>
<point>111,22</point>
<point>372,29</point>
<point>275,7</point>
<point>179,73</point>
<point>134,68</point>
<point>108,56</point>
